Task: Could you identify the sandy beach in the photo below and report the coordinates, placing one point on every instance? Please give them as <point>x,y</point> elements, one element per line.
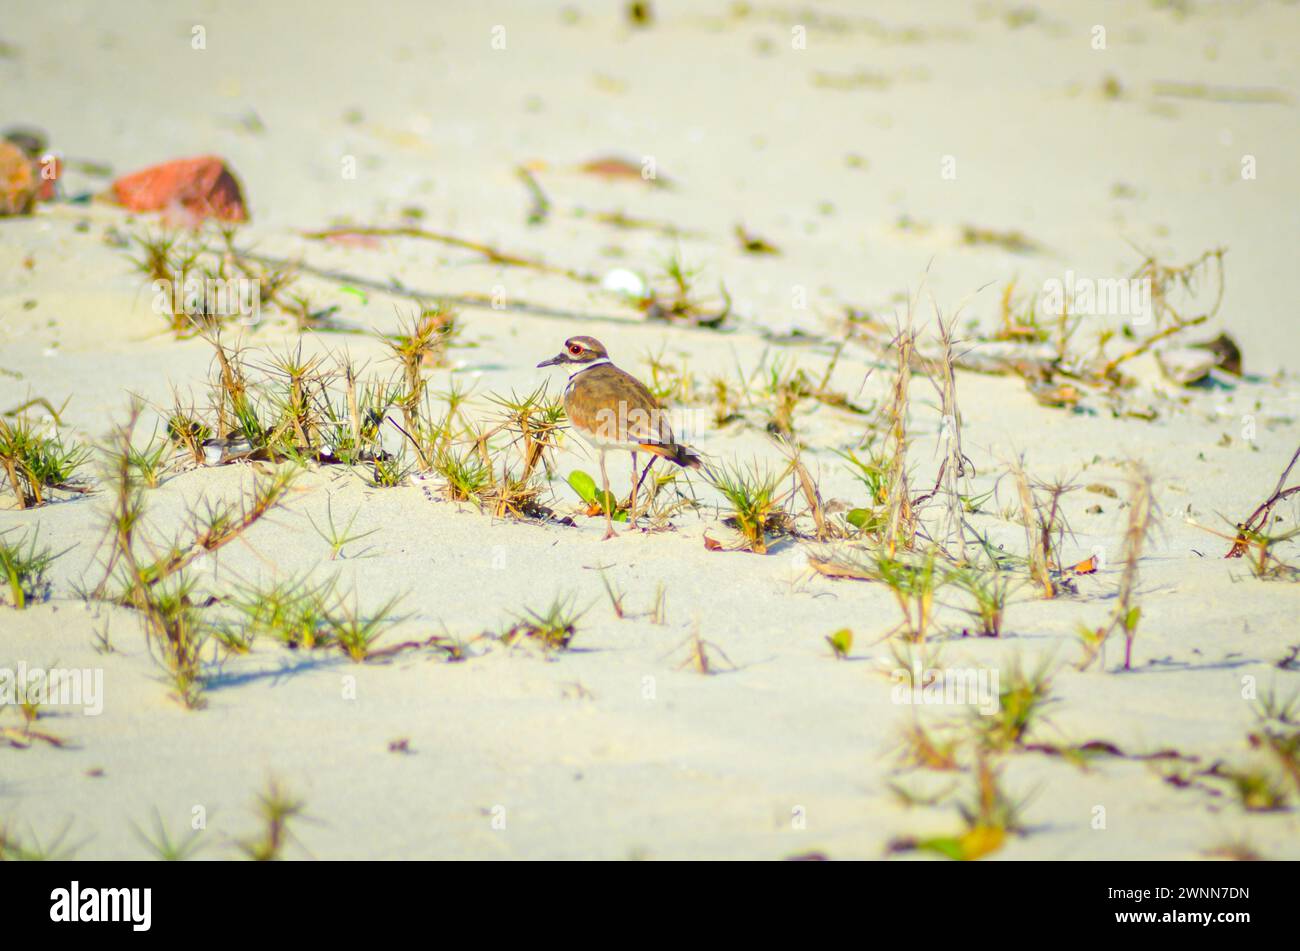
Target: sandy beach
<point>830,180</point>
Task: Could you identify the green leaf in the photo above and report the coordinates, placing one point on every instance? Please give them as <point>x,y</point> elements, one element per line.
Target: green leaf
<point>584,485</point>
<point>947,846</point>
<point>841,642</point>
<point>608,503</point>
<point>865,520</point>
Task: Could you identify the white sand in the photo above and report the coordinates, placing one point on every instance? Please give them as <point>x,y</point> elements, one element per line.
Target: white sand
<point>608,750</point>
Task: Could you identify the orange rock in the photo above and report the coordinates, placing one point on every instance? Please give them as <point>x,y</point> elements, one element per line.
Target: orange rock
<point>18,184</point>
<point>1085,567</point>
<point>195,188</point>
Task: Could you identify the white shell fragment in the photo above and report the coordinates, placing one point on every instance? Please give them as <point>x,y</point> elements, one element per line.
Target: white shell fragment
<point>622,281</point>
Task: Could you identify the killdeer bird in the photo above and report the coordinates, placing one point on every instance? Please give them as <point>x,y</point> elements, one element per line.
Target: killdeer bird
<point>612,409</point>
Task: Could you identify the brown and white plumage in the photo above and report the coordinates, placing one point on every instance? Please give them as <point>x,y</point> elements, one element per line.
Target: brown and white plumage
<point>612,409</point>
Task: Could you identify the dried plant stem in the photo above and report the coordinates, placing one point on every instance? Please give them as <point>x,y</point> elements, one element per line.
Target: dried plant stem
<point>1259,517</point>
<point>808,486</point>
<point>1162,278</point>
<point>953,468</point>
<point>1035,539</point>
<point>900,527</point>
<point>487,251</point>
<point>1141,521</point>
<point>267,494</point>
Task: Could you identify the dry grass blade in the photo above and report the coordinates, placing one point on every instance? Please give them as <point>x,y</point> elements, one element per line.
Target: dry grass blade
<point>698,657</point>
<point>1039,567</point>
<point>1249,531</point>
<point>1142,523</point>
<point>953,468</point>
<point>808,487</point>
<point>900,523</point>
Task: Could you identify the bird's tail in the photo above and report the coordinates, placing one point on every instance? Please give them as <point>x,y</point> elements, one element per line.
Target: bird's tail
<point>676,453</point>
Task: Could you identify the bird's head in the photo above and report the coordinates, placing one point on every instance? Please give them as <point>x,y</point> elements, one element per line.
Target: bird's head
<point>578,350</point>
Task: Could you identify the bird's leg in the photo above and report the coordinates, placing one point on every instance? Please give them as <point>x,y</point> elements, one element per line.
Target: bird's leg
<point>631,505</point>
<point>636,485</point>
<point>645,472</point>
<point>606,499</point>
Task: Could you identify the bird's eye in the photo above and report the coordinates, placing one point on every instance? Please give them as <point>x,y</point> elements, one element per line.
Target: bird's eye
<point>575,350</point>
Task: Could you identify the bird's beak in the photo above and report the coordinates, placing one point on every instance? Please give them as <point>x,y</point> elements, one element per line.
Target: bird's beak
<point>558,358</point>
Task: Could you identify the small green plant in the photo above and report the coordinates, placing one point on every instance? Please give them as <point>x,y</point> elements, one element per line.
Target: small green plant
<point>186,432</point>
<point>388,472</point>
<point>355,632</point>
<point>196,271</point>
<point>277,809</point>
<point>178,632</point>
<point>1022,695</point>
<point>160,588</point>
<point>22,568</point>
<point>553,628</point>
<point>921,747</point>
<point>1277,733</point>
<point>913,582</point>
<point>338,538</point>
<point>32,462</point>
<point>988,589</point>
<point>726,401</point>
<point>1271,706</point>
<point>615,594</point>
<point>535,421</point>
<point>150,461</point>
<point>350,426</point>
<point>30,707</point>
<point>165,260</point>
<point>466,476</point>
<point>296,612</point>
<point>422,341</point>
<point>755,508</point>
<point>1264,562</point>
<point>297,379</point>
<point>1259,790</point>
<point>14,848</point>
<point>783,389</point>
<point>872,472</point>
<point>659,610</point>
<point>671,382</point>
<point>988,817</point>
<point>163,846</point>
<point>680,303</point>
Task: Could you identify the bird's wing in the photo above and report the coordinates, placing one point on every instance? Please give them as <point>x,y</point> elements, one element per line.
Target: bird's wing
<point>617,406</point>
